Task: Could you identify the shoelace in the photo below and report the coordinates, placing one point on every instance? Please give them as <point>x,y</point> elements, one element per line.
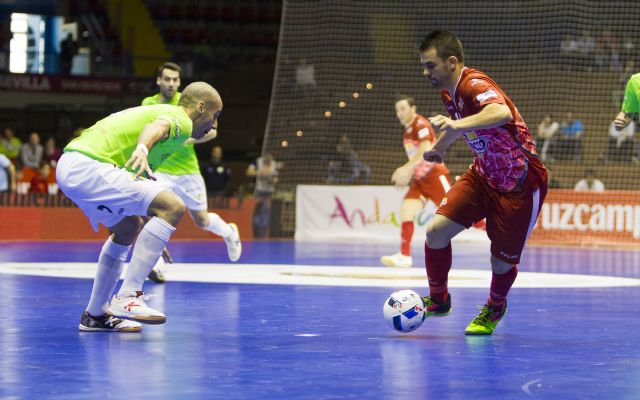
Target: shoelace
<point>485,316</point>
<point>143,297</point>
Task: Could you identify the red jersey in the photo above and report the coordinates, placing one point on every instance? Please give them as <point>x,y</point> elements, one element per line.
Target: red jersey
<point>418,131</point>
<point>505,154</point>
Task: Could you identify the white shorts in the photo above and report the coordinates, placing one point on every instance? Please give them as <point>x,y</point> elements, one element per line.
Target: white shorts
<point>106,193</point>
<point>190,188</point>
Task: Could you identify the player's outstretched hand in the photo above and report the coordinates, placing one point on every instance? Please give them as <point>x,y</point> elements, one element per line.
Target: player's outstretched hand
<point>139,163</point>
<point>401,177</point>
<point>621,121</point>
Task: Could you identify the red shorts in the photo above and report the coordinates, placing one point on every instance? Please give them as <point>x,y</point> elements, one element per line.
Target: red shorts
<point>510,216</point>
<point>431,187</point>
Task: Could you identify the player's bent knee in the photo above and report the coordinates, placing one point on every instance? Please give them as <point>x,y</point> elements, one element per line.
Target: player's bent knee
<point>435,238</point>
<point>439,232</point>
<point>126,231</point>
<point>167,206</point>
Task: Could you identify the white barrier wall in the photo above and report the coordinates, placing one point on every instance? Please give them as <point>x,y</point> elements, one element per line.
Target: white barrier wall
<point>359,213</point>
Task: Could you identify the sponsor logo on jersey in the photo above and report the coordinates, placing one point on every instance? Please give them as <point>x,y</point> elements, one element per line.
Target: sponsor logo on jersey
<point>479,145</point>
<point>487,95</point>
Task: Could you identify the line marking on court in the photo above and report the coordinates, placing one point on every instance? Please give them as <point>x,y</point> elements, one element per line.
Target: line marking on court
<point>327,275</point>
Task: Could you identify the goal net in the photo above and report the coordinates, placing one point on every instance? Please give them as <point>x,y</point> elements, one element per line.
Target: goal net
<point>341,65</point>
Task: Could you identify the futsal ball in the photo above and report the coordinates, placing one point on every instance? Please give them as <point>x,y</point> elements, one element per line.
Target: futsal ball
<point>404,310</point>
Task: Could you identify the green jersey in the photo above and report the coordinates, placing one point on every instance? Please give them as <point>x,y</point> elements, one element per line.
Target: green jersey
<point>630,103</point>
<point>184,161</point>
<point>156,99</point>
<point>114,138</point>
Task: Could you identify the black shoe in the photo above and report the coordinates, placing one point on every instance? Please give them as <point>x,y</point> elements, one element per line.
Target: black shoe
<point>107,323</point>
<point>433,309</point>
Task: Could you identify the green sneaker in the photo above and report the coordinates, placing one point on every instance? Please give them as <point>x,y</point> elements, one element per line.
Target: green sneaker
<point>486,321</point>
<point>433,309</point>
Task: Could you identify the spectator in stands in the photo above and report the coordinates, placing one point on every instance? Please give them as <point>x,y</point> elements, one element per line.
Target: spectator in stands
<point>345,166</point>
<point>216,175</point>
<point>305,76</point>
<point>546,136</point>
<point>586,48</point>
<point>40,183</point>
<point>589,183</point>
<point>569,49</point>
<point>621,142</point>
<point>265,170</point>
<point>7,174</point>
<point>51,153</point>
<point>572,132</point>
<point>31,152</point>
<point>10,145</point>
<point>68,50</point>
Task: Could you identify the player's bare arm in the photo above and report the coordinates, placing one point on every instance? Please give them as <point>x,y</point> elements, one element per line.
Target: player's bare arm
<point>622,120</point>
<point>492,115</point>
<point>151,134</point>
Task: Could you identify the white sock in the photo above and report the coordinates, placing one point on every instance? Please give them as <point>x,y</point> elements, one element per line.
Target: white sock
<point>147,251</point>
<point>110,263</point>
<point>217,226</point>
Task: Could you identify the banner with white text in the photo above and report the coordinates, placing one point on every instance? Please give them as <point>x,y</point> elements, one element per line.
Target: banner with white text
<point>372,213</point>
<point>609,219</point>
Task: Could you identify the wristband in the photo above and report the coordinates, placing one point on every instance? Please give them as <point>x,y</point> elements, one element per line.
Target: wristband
<point>143,147</point>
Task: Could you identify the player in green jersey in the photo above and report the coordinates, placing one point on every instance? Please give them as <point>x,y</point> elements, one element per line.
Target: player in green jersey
<point>181,173</point>
<point>630,104</point>
<point>109,173</point>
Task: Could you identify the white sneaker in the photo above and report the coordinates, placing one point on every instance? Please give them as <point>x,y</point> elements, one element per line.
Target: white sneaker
<point>397,260</point>
<point>234,245</point>
<point>133,307</point>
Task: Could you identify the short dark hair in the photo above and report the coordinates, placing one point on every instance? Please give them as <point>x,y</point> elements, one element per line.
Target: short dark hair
<point>409,99</point>
<point>446,44</point>
<point>168,65</point>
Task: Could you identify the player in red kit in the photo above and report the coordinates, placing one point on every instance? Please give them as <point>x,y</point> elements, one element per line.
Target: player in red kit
<point>506,184</point>
<point>426,180</point>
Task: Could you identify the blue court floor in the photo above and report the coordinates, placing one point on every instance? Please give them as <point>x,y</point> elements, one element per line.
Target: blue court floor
<point>579,339</point>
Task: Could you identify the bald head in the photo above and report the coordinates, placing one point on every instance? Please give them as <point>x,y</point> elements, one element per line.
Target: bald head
<point>203,105</point>
<point>200,91</point>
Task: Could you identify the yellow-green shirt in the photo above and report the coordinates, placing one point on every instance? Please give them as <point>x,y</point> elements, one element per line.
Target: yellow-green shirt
<point>630,103</point>
<point>114,138</point>
<point>184,161</point>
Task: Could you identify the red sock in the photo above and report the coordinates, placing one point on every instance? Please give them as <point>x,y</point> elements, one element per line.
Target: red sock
<point>500,285</point>
<point>438,262</point>
<point>406,233</point>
